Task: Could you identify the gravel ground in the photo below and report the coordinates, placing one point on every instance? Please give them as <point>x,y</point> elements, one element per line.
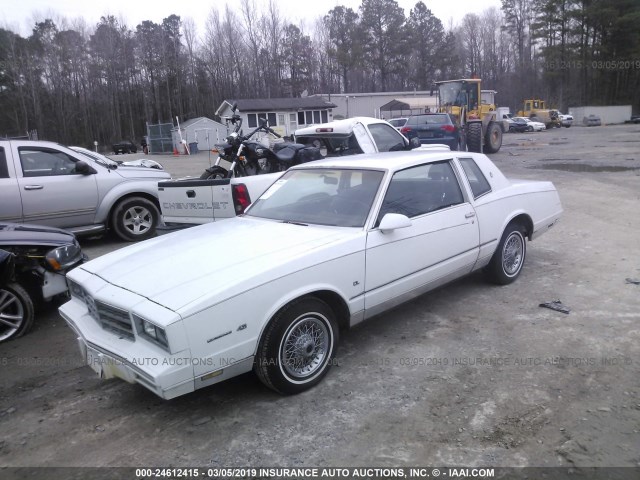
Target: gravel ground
<point>471,374</point>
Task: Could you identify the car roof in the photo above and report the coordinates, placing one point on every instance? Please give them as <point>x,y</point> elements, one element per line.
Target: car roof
<point>391,161</point>
<point>339,126</point>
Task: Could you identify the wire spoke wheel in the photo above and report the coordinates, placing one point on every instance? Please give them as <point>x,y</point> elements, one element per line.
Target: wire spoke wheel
<point>508,259</point>
<point>297,348</point>
<point>512,254</point>
<point>304,348</point>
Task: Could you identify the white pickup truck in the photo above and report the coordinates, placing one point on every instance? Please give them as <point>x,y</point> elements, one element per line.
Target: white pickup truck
<point>195,201</point>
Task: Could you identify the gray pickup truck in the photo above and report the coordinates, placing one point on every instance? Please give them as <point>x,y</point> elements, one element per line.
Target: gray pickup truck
<point>49,184</point>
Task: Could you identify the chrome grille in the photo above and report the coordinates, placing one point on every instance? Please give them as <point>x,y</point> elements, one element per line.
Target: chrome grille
<point>114,319</point>
<point>109,317</point>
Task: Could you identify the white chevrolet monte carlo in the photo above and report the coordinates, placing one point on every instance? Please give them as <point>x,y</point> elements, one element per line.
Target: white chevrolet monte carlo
<point>328,245</point>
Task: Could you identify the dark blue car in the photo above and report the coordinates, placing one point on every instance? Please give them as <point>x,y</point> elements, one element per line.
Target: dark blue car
<point>432,128</point>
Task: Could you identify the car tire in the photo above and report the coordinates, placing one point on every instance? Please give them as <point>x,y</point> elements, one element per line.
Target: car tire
<point>16,307</point>
<point>529,128</point>
<point>474,137</point>
<point>297,347</point>
<point>508,259</point>
<point>493,138</point>
<point>135,218</point>
<point>215,172</point>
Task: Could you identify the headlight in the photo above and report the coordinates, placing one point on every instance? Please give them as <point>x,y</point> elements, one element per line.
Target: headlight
<point>75,289</point>
<point>64,257</point>
<point>151,331</point>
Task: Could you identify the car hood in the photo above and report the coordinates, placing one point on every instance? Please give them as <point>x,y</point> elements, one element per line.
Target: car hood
<point>212,262</point>
<point>142,172</point>
<point>27,234</point>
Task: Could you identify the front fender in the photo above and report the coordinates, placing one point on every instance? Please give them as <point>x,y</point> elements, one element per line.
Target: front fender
<point>293,295</point>
<point>146,188</point>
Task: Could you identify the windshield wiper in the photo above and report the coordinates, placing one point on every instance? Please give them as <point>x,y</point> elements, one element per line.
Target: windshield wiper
<point>295,223</point>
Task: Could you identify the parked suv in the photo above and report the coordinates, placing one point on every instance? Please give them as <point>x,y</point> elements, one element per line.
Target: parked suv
<point>432,128</point>
<point>49,184</point>
<point>124,146</point>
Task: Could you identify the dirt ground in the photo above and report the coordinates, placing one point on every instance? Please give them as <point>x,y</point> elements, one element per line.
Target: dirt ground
<point>469,375</point>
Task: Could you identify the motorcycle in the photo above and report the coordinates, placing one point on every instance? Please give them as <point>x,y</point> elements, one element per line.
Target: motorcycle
<point>250,157</point>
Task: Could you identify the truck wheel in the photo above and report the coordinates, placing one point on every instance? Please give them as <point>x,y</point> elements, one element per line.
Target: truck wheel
<point>297,347</point>
<point>213,173</point>
<point>493,138</point>
<point>474,137</point>
<point>135,218</point>
<point>507,261</point>
<point>16,311</point>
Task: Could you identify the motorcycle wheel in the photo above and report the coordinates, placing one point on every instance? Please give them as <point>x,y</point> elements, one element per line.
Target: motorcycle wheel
<point>214,173</point>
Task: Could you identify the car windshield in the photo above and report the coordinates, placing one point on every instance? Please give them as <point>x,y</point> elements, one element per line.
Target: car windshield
<point>320,196</point>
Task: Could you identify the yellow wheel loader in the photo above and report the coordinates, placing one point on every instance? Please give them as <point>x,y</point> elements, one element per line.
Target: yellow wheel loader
<point>474,111</point>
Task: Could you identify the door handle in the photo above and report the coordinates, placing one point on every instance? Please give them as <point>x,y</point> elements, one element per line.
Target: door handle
<point>33,187</point>
<point>191,193</point>
<point>470,215</point>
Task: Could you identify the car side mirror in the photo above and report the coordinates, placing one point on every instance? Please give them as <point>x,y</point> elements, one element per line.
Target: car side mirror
<point>84,168</point>
<point>414,143</point>
<point>393,221</point>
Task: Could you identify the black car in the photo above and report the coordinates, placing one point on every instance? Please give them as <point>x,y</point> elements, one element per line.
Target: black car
<point>124,146</point>
<point>33,263</point>
<point>432,128</point>
<point>519,125</point>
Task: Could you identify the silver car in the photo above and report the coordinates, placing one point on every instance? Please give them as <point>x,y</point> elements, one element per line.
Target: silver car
<point>50,184</point>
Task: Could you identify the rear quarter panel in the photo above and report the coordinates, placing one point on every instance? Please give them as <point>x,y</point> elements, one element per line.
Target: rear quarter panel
<point>509,198</point>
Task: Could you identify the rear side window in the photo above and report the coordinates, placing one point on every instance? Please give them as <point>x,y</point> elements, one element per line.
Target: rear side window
<point>477,181</point>
<point>4,170</point>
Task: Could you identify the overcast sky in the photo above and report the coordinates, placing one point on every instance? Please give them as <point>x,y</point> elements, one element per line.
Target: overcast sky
<point>19,15</point>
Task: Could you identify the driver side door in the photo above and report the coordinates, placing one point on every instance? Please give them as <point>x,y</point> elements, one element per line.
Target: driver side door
<point>441,243</point>
<point>52,192</point>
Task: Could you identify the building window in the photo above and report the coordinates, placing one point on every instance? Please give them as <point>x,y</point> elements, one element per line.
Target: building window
<point>311,117</point>
<point>252,120</point>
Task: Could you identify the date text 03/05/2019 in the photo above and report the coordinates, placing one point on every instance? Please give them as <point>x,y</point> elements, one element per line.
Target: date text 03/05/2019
<point>315,472</point>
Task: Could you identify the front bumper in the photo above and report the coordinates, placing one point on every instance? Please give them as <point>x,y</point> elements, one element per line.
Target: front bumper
<point>132,360</point>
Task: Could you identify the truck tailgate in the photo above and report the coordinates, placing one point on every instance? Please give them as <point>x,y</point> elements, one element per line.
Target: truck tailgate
<point>195,201</point>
